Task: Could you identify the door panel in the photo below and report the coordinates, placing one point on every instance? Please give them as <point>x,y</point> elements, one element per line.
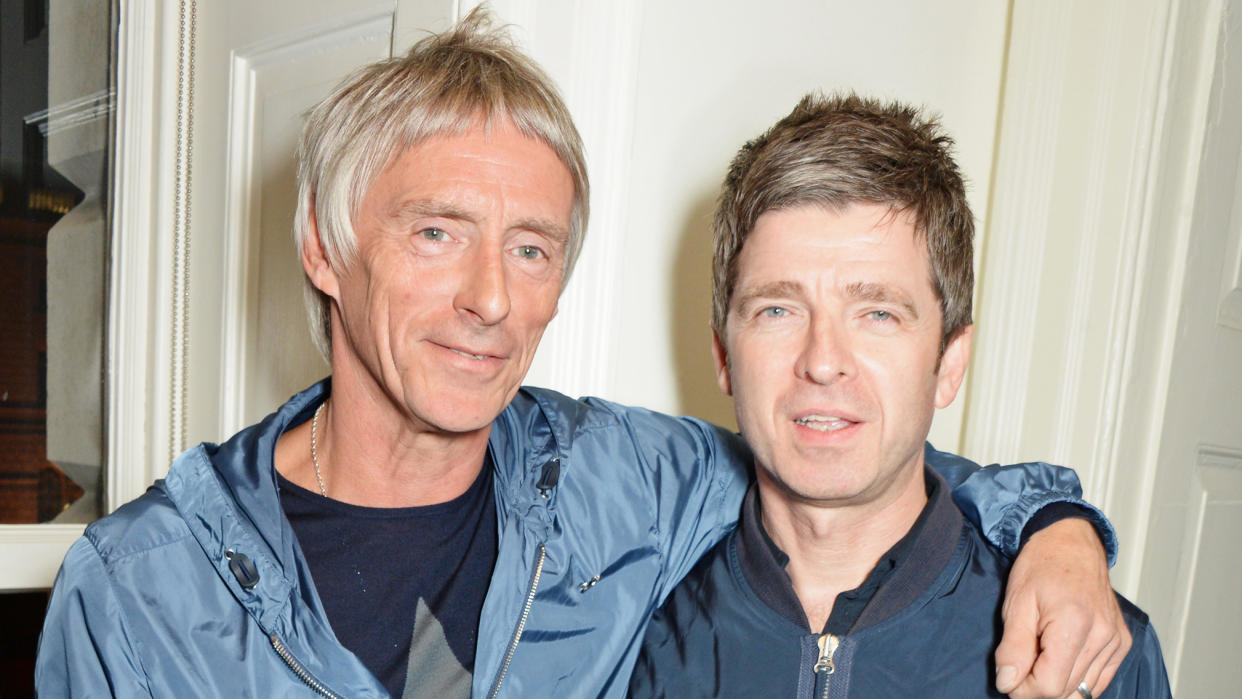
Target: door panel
<point>271,87</point>
<point>1191,563</point>
<point>258,68</point>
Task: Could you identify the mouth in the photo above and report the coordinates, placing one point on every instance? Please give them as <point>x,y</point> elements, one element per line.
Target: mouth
<point>469,355</point>
<point>824,423</point>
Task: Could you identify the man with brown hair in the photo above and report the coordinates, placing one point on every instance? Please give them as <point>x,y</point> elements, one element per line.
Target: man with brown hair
<point>418,525</point>
<point>842,320</point>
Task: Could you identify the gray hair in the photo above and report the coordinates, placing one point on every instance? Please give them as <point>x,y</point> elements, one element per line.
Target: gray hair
<point>446,84</point>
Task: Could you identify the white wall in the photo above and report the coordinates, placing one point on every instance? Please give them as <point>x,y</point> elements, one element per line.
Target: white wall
<point>704,77</point>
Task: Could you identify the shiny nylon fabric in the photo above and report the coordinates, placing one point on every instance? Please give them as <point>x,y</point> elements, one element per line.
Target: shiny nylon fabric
<point>146,604</point>
<point>639,498</point>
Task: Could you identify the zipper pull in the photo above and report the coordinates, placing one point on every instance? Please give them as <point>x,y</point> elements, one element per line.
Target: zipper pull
<point>827,646</point>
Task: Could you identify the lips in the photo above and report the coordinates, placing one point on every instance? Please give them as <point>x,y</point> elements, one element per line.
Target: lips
<point>471,352</point>
<point>471,356</point>
<point>824,423</point>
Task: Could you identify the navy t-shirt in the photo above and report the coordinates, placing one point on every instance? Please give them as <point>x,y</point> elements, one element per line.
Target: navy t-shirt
<point>403,587</point>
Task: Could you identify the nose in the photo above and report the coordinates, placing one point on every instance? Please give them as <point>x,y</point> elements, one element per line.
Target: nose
<point>484,292</point>
<point>826,355</point>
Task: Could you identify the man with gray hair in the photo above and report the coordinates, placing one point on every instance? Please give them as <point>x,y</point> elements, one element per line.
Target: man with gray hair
<point>842,284</point>
<point>418,525</point>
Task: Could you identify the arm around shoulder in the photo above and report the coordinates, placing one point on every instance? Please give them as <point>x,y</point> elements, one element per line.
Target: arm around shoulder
<point>86,649</point>
<point>1002,500</point>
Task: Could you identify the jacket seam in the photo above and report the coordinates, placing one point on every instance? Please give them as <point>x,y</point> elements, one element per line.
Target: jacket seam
<point>132,639</point>
<point>116,556</point>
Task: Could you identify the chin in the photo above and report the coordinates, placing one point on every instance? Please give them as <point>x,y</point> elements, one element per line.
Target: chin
<point>463,423</point>
<point>820,486</point>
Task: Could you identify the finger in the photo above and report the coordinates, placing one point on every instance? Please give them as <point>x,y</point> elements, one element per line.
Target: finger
<point>1085,671</point>
<point>1098,650</point>
<point>1109,661</point>
<point>1101,670</point>
<point>1018,648</point>
<point>1060,646</point>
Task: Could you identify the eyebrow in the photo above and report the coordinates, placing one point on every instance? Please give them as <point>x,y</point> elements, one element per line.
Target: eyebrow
<point>858,291</point>
<point>415,208</point>
<point>779,289</point>
<point>882,293</point>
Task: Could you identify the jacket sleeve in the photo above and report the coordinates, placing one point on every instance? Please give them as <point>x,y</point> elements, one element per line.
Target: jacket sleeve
<point>698,473</point>
<point>1000,500</point>
<point>85,649</point>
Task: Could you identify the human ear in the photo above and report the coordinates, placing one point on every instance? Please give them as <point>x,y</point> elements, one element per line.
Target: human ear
<point>953,365</point>
<point>315,261</point>
<point>721,357</point>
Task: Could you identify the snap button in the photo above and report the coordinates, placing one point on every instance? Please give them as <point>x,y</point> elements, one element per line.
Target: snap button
<point>243,569</point>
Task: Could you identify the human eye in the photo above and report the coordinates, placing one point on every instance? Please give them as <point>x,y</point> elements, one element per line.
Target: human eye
<point>530,252</point>
<point>881,315</point>
<point>435,235</point>
<point>773,312</point>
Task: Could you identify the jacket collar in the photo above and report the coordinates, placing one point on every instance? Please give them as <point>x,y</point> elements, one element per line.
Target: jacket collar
<point>935,538</point>
<point>228,495</point>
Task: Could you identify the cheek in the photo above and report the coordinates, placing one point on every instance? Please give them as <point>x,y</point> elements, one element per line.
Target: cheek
<point>755,372</point>
<point>535,307</point>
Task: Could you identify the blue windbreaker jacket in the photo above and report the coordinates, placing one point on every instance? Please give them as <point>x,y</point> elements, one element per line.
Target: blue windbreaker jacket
<point>199,587</point>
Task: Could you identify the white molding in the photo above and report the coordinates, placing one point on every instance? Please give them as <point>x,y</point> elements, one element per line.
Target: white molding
<point>1207,456</point>
<point>1179,134</point>
<point>137,424</point>
<point>1082,371</point>
<point>34,553</point>
<point>1110,225</point>
<point>1017,231</point>
<point>1229,313</point>
<point>1216,456</point>
<point>576,355</point>
<point>1089,243</point>
<point>1134,226</point>
<point>240,281</point>
<point>1185,580</point>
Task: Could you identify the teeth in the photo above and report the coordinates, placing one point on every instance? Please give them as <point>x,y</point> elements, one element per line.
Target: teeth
<point>824,423</point>
<point>472,356</point>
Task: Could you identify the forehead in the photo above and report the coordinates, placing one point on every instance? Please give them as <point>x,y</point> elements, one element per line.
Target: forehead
<point>483,167</point>
<point>819,248</point>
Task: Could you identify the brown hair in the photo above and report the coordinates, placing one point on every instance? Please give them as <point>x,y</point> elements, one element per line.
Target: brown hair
<point>843,149</point>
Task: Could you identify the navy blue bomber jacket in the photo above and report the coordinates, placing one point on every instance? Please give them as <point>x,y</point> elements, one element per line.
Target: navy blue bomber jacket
<point>735,628</point>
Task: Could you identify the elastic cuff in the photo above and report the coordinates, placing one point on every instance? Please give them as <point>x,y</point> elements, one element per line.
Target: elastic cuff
<point>1056,511</point>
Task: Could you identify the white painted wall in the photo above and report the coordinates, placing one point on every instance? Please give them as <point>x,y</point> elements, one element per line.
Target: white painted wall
<point>704,78</point>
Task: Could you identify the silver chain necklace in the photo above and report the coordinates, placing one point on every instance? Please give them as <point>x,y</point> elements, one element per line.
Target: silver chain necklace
<point>314,450</point>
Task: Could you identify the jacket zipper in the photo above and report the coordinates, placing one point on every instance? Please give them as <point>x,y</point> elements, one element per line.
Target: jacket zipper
<point>517,634</point>
<point>300,671</point>
<point>827,646</point>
